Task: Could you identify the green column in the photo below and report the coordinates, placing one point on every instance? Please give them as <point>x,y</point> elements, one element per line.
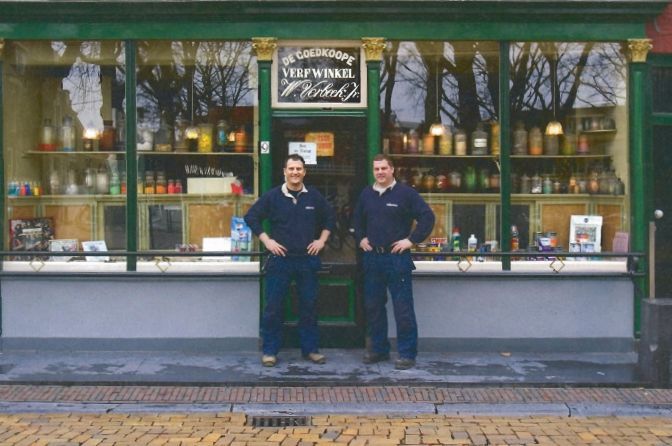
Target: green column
<point>131,158</point>
<point>373,48</point>
<point>2,154</point>
<point>264,48</point>
<point>505,152</point>
<point>639,147</point>
<point>265,164</point>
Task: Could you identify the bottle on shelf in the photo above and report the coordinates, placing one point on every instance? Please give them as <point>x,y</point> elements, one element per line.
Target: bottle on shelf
<point>54,182</point>
<point>160,184</point>
<point>519,139</point>
<point>479,141</point>
<point>547,185</point>
<point>47,137</point>
<point>515,241</point>
<point>446,141</point>
<point>470,179</point>
<point>67,135</point>
<point>413,142</point>
<point>102,181</point>
<point>525,186</point>
<point>163,137</point>
<point>583,147</point>
<point>149,182</point>
<point>222,135</point>
<point>551,145</point>
<point>455,241</point>
<point>115,183</point>
<point>205,138</point>
<point>472,245</point>
<point>494,138</point>
<point>107,137</point>
<point>428,144</point>
<point>120,132</point>
<point>568,142</point>
<point>460,145</point>
<point>535,142</point>
<point>535,184</point>
<point>180,135</point>
<point>240,140</point>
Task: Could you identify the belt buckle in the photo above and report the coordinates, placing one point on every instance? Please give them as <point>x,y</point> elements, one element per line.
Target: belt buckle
<point>381,250</point>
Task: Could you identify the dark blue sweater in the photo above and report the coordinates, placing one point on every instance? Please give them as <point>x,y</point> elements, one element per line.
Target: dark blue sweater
<point>293,225</point>
<point>386,218</point>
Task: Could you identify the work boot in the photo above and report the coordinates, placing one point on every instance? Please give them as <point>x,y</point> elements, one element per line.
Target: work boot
<point>372,357</point>
<point>404,363</point>
<point>315,358</point>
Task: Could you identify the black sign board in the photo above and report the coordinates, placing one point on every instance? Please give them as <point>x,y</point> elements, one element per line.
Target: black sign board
<point>319,76</point>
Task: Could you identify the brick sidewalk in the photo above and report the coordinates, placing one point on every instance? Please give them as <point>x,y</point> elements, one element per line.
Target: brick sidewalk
<point>232,429</point>
<point>331,395</point>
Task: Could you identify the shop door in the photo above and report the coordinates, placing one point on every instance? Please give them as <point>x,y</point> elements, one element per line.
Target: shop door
<point>340,174</point>
<point>662,154</point>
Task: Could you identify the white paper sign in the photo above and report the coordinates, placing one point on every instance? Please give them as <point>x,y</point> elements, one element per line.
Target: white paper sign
<point>308,150</point>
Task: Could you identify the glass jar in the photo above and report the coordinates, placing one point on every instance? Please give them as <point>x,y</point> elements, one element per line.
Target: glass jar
<point>413,142</point>
<point>180,135</point>
<point>535,142</point>
<point>102,181</point>
<point>160,184</point>
<point>470,179</point>
<point>460,142</point>
<point>568,143</point>
<point>525,186</point>
<point>47,137</point>
<point>163,138</point>
<point>205,138</point>
<point>484,180</point>
<point>584,145</point>
<point>240,140</point>
<point>428,182</point>
<point>494,182</point>
<point>222,135</point>
<point>519,139</point>
<point>149,182</point>
<point>551,145</point>
<point>428,144</point>
<point>547,185</point>
<point>115,184</point>
<point>455,180</point>
<point>396,140</point>
<point>479,141</point>
<point>107,137</point>
<point>535,184</point>
<point>67,135</point>
<point>446,142</point>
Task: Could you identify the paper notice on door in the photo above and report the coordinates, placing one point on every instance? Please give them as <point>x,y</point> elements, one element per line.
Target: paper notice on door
<point>308,150</point>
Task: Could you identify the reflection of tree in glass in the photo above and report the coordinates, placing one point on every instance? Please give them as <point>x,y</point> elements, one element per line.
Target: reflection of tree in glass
<point>588,75</point>
<point>218,72</point>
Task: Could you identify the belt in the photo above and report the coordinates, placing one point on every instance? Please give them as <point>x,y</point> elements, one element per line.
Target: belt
<point>385,250</point>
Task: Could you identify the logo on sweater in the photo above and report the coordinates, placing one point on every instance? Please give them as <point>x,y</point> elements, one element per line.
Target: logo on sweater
<point>310,208</point>
<point>394,205</point>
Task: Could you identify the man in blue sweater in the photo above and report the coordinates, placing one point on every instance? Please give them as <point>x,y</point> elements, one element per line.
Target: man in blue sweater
<point>301,221</point>
<point>383,221</point>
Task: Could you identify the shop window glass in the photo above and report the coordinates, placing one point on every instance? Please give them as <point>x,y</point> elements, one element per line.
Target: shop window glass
<point>63,142</point>
<point>578,179</point>
<point>439,117</point>
<point>196,109</point>
<point>661,81</point>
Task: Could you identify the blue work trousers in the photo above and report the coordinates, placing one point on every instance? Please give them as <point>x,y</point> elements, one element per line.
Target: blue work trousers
<point>390,271</point>
<point>280,271</point>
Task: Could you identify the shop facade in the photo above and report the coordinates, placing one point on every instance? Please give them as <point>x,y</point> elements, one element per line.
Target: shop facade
<point>135,135</point>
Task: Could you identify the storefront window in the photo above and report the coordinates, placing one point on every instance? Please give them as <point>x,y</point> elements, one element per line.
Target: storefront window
<point>64,142</point>
<point>196,105</point>
<point>574,176</point>
<point>440,125</point>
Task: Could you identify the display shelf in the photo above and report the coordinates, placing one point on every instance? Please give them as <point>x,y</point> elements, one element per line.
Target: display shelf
<point>599,132</point>
<point>578,156</point>
<point>154,153</point>
<point>420,155</point>
<point>77,153</point>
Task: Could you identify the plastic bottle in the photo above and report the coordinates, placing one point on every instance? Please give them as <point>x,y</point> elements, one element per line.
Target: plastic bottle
<point>472,245</point>
<point>515,241</point>
<point>455,239</point>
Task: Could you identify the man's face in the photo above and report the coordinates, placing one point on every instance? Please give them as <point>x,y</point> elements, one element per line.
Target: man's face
<point>294,173</point>
<point>383,172</point>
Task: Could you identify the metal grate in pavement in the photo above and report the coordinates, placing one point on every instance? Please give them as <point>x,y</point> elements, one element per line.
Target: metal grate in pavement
<point>277,421</point>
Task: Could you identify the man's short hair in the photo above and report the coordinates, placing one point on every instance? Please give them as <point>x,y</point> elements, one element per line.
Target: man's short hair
<point>295,157</point>
<point>383,157</point>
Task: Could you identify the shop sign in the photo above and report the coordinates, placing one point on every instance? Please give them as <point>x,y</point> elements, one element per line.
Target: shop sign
<point>308,150</point>
<point>324,141</point>
<point>319,75</point>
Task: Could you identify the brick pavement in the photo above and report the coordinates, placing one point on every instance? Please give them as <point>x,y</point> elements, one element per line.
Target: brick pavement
<point>330,395</point>
<point>231,429</point>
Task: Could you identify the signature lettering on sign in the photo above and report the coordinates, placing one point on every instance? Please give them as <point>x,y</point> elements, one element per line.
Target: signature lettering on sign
<point>309,89</point>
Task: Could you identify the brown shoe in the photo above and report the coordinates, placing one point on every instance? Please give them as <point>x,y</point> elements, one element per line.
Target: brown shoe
<point>269,360</point>
<point>404,363</point>
<point>315,358</point>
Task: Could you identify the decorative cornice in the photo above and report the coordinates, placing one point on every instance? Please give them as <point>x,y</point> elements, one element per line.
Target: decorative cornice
<point>373,48</point>
<point>638,49</point>
<point>264,47</point>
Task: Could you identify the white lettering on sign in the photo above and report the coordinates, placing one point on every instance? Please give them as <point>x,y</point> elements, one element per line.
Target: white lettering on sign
<point>323,89</point>
<point>308,53</point>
